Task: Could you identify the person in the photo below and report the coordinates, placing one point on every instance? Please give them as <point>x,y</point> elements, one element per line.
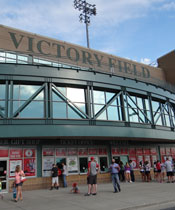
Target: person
<point>169,170</point>
<point>158,167</point>
<point>114,169</point>
<point>93,169</point>
<point>64,174</point>
<point>155,170</point>
<point>147,171</point>
<point>55,180</point>
<point>163,171</point>
<point>131,164</point>
<point>75,188</point>
<point>142,170</point>
<point>127,172</point>
<point>18,174</point>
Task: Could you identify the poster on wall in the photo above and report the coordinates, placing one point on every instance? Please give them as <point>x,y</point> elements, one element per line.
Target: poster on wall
<point>13,164</point>
<point>47,166</point>
<point>30,167</point>
<point>134,162</point>
<point>139,159</point>
<point>72,164</point>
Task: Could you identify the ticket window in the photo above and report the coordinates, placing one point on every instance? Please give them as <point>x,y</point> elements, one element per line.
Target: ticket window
<point>103,164</point>
<point>59,161</point>
<point>83,161</point>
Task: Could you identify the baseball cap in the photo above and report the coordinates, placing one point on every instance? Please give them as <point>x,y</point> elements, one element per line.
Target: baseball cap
<point>92,158</point>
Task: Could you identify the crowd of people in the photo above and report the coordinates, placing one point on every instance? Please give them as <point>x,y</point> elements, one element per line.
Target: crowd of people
<point>119,172</point>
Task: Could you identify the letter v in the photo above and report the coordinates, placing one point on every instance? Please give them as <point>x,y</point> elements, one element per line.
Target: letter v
<point>15,42</point>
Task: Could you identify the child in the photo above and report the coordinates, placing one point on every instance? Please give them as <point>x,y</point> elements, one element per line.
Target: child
<point>75,188</point>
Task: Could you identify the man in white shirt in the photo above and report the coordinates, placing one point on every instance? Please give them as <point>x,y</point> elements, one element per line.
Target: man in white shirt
<point>169,170</point>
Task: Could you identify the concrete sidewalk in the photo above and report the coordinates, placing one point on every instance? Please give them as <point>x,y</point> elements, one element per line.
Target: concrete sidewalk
<point>144,196</point>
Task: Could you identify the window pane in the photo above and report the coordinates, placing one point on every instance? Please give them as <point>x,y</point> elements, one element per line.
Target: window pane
<point>102,116</point>
<point>99,97</point>
<point>75,95</point>
<point>59,110</point>
<point>133,115</point>
<point>33,110</point>
<point>83,164</point>
<point>72,114</point>
<point>112,113</point>
<point>109,96</point>
<point>103,164</point>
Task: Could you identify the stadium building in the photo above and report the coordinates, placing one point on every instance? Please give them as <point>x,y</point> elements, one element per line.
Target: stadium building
<point>61,102</point>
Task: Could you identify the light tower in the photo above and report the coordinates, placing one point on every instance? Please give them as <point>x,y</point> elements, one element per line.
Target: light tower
<point>86,11</point>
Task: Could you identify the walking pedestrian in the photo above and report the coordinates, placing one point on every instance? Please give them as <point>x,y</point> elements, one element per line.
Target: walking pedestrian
<point>114,169</point>
<point>18,174</point>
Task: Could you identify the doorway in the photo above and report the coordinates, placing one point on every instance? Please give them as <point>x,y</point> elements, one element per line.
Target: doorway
<point>3,175</point>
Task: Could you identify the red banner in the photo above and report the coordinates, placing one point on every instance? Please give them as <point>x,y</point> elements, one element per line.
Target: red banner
<point>102,151</point>
<point>16,153</point>
<point>115,151</point>
<point>146,151</point>
<point>132,151</point>
<point>123,151</point>
<point>48,152</point>
<point>153,151</point>
<point>139,151</point>
<point>61,152</point>
<point>4,152</point>
<point>72,151</point>
<point>93,151</point>
<point>82,151</point>
<point>29,153</point>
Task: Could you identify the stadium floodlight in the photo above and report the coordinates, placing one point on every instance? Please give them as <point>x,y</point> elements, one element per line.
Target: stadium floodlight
<point>86,11</point>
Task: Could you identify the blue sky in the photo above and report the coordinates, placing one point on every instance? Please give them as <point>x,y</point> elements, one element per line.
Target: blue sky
<point>141,30</point>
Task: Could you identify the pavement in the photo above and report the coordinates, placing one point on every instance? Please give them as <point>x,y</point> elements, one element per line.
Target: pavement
<point>133,196</point>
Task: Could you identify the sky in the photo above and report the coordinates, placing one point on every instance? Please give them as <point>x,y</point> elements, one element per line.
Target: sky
<point>140,30</point>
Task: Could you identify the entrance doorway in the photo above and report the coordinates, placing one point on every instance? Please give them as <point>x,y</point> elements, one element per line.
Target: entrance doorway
<point>3,175</point>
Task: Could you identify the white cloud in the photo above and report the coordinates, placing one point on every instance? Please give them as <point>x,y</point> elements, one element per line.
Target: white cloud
<point>145,61</point>
<point>168,6</point>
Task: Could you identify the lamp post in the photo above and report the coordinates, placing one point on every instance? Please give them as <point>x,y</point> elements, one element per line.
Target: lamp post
<point>86,11</point>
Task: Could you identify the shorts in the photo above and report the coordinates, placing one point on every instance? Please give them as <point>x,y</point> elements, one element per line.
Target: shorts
<point>92,179</point>
<point>127,172</point>
<point>19,184</point>
<point>147,172</point>
<point>55,180</point>
<point>159,171</point>
<point>170,173</point>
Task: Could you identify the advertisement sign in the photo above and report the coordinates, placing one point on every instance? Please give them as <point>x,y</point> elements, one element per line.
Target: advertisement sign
<point>13,164</point>
<point>123,151</point>
<point>72,151</point>
<point>4,152</point>
<point>139,159</point>
<point>72,164</point>
<point>102,151</point>
<point>29,153</point>
<point>83,151</point>
<point>132,151</point>
<point>115,151</point>
<point>61,152</point>
<point>93,151</point>
<point>30,166</point>
<point>153,151</point>
<point>48,152</point>
<point>146,151</point>
<point>134,161</point>
<point>47,166</point>
<point>16,153</point>
<point>139,151</point>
